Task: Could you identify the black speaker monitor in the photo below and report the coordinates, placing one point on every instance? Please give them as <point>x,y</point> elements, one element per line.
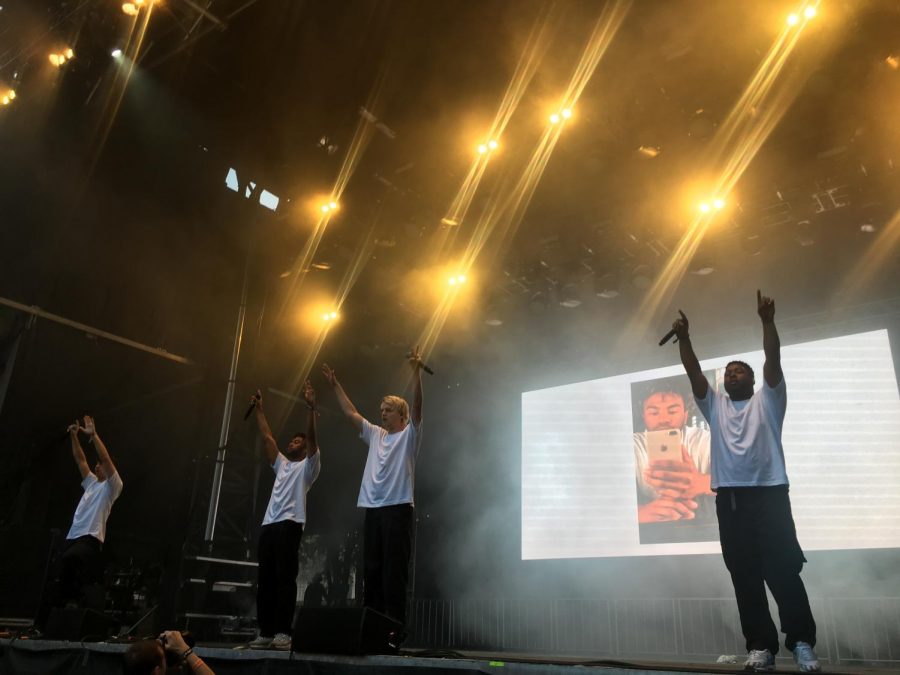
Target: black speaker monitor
<point>344,630</point>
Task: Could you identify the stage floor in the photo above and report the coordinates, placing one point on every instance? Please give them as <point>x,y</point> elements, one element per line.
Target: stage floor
<point>48,656</point>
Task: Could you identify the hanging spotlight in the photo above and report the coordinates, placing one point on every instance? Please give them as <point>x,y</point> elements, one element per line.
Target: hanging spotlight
<point>793,19</point>
<point>809,12</point>
<point>130,9</point>
<point>566,113</point>
<point>554,118</point>
<point>492,144</point>
<point>482,149</point>
<point>117,53</point>
<point>704,207</point>
<point>718,204</point>
<point>55,60</point>
<point>69,53</point>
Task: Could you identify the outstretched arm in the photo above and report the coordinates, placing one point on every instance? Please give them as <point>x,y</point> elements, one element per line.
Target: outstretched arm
<point>309,395</point>
<point>346,404</point>
<point>699,383</point>
<point>78,452</point>
<point>772,372</point>
<point>105,460</point>
<point>262,424</point>
<point>415,413</point>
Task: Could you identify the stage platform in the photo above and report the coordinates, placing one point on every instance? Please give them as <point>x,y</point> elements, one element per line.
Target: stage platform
<point>29,656</point>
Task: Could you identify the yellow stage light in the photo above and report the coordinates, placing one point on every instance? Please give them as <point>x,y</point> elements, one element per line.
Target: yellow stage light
<point>325,208</point>
<point>719,204</point>
<point>333,206</point>
<point>12,94</point>
<point>55,60</point>
<point>130,9</point>
<point>704,207</point>
<point>5,100</point>
<point>492,144</point>
<point>554,119</point>
<point>334,315</point>
<point>69,53</point>
<point>461,278</point>
<point>809,12</point>
<point>793,19</point>
<point>566,113</point>
<point>452,281</point>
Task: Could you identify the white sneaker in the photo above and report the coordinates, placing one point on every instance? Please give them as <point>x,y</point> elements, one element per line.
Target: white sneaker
<point>281,641</point>
<point>806,658</point>
<point>261,642</point>
<point>760,661</point>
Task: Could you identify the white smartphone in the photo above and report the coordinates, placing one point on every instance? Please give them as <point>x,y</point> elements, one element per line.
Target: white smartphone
<point>664,444</point>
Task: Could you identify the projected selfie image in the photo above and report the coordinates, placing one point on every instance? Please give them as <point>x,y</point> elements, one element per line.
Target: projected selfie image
<point>672,463</point>
<point>620,466</point>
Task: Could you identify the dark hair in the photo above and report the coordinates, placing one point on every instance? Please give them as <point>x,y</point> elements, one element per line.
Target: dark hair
<point>142,657</point>
<point>299,434</point>
<point>746,367</point>
<point>667,385</point>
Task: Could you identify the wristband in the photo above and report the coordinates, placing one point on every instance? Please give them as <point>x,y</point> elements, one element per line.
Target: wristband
<point>187,653</point>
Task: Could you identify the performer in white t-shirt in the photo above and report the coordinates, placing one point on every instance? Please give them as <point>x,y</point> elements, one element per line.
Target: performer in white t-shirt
<point>386,492</point>
<point>282,528</point>
<point>80,563</point>
<point>756,527</point>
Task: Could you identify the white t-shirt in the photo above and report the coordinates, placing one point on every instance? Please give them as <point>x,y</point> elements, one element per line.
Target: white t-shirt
<point>746,437</point>
<point>94,507</point>
<point>292,482</point>
<point>390,466</point>
<point>696,442</point>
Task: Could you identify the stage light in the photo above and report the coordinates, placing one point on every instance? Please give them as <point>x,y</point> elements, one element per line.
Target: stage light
<point>718,204</point>
<point>333,206</point>
<point>482,149</point>
<point>793,19</point>
<point>893,62</point>
<point>457,280</point>
<point>117,53</point>
<point>461,278</point>
<point>492,144</point>
<point>70,54</point>
<point>554,119</point>
<point>566,113</point>
<point>329,316</point>
<point>704,207</point>
<point>452,281</point>
<point>5,100</point>
<point>809,12</point>
<point>325,208</point>
<point>130,9</point>
<point>56,60</point>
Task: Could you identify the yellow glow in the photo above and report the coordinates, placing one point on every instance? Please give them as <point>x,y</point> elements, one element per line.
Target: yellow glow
<point>719,204</point>
<point>6,100</point>
<point>492,144</point>
<point>452,281</point>
<point>12,94</point>
<point>809,12</point>
<point>55,60</point>
<point>462,278</point>
<point>70,54</point>
<point>793,19</point>
<point>130,9</point>
<point>704,207</point>
<point>893,62</point>
<point>482,149</point>
<point>566,113</point>
<point>554,118</point>
<point>333,206</point>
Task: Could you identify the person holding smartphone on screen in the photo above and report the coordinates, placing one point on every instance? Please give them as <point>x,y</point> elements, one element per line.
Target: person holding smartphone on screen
<point>756,527</point>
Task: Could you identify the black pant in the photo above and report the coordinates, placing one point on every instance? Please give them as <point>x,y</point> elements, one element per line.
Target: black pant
<point>759,544</point>
<point>276,588</point>
<point>79,565</point>
<point>387,547</point>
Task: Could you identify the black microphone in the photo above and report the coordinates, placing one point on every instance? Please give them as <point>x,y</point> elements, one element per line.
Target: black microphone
<point>250,409</point>
<point>428,370</point>
<point>668,336</point>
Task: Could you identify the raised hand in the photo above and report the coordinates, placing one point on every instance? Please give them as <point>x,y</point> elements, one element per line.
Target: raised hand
<point>73,428</point>
<point>328,372</point>
<point>681,327</point>
<point>765,307</point>
<point>256,399</point>
<point>309,395</point>
<point>89,427</point>
<point>415,358</point>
